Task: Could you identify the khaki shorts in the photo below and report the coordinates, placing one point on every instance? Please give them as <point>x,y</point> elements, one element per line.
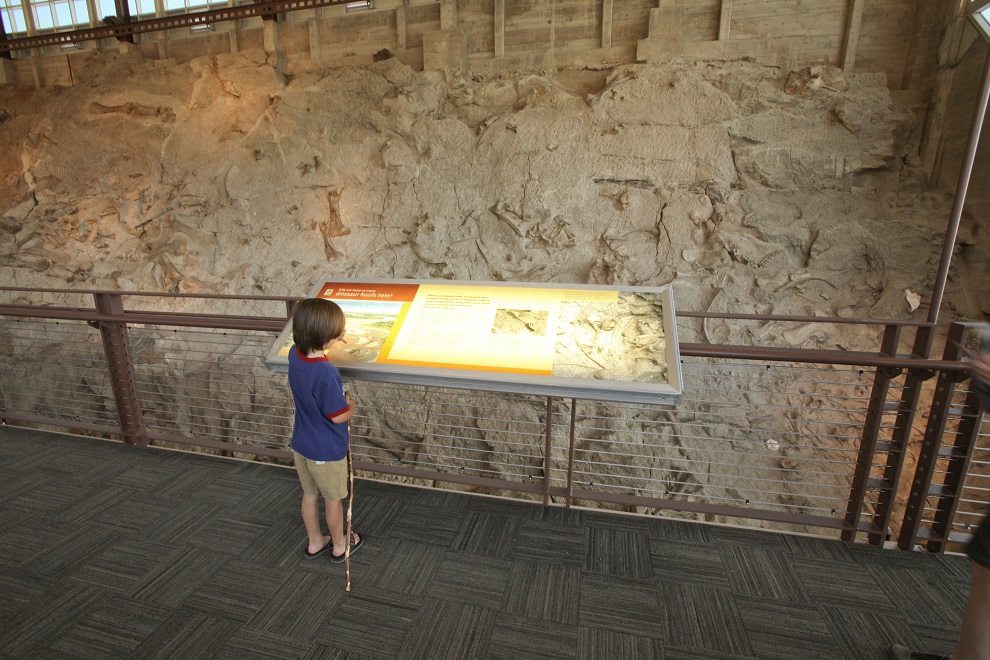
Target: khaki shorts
<point>326,477</point>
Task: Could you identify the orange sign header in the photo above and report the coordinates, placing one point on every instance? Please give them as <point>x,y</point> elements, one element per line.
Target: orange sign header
<point>378,292</point>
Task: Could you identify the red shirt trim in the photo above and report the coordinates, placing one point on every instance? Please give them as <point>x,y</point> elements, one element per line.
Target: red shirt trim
<point>330,416</point>
<point>322,358</point>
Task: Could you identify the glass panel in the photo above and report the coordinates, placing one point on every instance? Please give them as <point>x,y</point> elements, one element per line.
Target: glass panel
<point>132,7</point>
<point>20,25</point>
<point>196,3</point>
<point>6,23</point>
<point>63,15</point>
<point>106,8</point>
<point>172,5</point>
<point>82,11</point>
<point>43,17</point>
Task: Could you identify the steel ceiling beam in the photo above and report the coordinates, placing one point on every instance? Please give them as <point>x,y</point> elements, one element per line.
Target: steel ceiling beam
<point>125,30</point>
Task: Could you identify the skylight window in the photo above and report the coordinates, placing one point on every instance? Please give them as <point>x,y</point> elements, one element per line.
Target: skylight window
<point>13,17</point>
<point>59,15</point>
<point>981,16</point>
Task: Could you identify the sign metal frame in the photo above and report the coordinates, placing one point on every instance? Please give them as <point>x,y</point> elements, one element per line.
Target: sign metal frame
<point>496,379</point>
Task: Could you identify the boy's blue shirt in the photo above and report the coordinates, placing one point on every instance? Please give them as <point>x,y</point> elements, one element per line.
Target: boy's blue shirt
<point>319,395</point>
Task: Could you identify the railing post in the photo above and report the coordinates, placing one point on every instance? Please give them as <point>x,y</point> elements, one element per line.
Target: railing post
<point>570,455</point>
<point>548,448</point>
<point>931,446</point>
<point>900,436</point>
<point>868,441</point>
<point>960,454</point>
<point>117,347</point>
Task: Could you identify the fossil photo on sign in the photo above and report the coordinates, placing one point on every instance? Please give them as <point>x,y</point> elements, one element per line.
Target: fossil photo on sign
<point>520,322</point>
<point>612,341</point>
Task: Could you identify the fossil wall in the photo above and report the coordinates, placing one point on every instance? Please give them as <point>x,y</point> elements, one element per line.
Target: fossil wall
<point>748,189</point>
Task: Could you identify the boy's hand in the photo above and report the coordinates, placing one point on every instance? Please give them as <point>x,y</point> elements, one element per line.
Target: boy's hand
<point>347,398</point>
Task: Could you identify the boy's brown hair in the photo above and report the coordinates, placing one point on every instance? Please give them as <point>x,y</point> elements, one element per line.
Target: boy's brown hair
<point>315,322</point>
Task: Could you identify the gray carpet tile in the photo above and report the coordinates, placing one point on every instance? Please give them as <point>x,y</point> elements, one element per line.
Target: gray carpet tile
<point>281,545</point>
<point>126,564</point>
<point>840,583</point>
<point>700,564</point>
<point>703,618</point>
<point>108,550</point>
<point>183,522</point>
<point>782,630</point>
<point>471,579</point>
<point>620,604</point>
<point>404,566</point>
<point>816,548</point>
<point>112,629</point>
<point>301,606</point>
<point>347,626</point>
<point>920,599</point>
<point>29,538</point>
<point>188,635</point>
<point>230,491</point>
<point>428,524</point>
<point>739,536</point>
<point>448,631</point>
<point>677,530</point>
<point>543,591</point>
<point>762,572</point>
<point>231,534</point>
<point>54,497</point>
<point>10,518</point>
<point>938,639</point>
<point>92,503</point>
<point>490,534</point>
<point>238,590</point>
<point>374,515</point>
<point>137,513</point>
<point>21,588</point>
<point>46,618</point>
<point>179,577</point>
<point>71,550</point>
<point>561,515</point>
<point>867,633</point>
<point>516,637</point>
<point>557,543</point>
<point>599,643</point>
<point>620,552</point>
<point>247,644</point>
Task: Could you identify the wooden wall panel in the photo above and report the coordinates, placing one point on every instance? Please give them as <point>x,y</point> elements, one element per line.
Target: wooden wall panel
<point>477,19</point>
<point>631,21</point>
<point>884,37</point>
<point>421,19</point>
<point>191,47</point>
<point>820,24</point>
<point>701,20</point>
<point>366,32</point>
<point>527,26</point>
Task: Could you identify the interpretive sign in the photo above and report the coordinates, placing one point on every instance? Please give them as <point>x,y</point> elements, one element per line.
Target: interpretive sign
<point>600,342</point>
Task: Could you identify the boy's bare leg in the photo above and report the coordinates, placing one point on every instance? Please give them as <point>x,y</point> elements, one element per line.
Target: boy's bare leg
<point>335,523</point>
<point>974,642</point>
<point>311,520</point>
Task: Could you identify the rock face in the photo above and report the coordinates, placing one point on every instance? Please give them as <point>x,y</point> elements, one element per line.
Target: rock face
<point>748,190</point>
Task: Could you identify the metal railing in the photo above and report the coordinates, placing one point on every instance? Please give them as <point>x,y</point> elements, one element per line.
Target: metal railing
<point>799,439</point>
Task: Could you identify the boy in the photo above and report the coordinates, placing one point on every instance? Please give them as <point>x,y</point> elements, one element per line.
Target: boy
<point>319,434</point>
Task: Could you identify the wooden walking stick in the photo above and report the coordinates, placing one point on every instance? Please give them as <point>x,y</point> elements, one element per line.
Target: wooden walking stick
<point>350,510</point>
